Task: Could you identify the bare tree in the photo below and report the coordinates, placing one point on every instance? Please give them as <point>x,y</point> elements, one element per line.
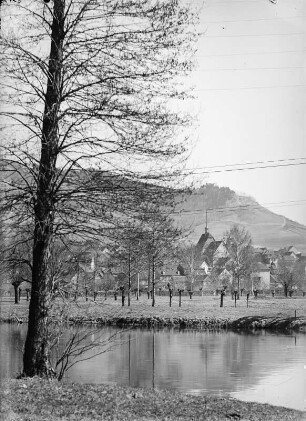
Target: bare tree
<point>128,253</point>
<point>189,257</point>
<point>85,121</point>
<point>238,243</point>
<point>85,344</point>
<point>15,258</point>
<point>146,243</point>
<point>289,273</point>
<point>160,240</point>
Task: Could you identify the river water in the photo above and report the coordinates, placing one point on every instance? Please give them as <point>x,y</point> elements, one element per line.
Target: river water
<point>253,367</point>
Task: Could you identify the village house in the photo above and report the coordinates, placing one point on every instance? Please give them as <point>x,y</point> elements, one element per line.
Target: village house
<point>172,275</point>
<point>209,251</point>
<point>213,257</point>
<point>261,276</point>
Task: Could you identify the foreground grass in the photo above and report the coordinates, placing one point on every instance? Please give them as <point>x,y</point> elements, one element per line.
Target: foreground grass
<point>43,400</point>
<point>196,310</point>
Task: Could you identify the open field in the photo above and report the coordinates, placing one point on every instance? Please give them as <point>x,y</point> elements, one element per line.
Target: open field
<point>42,400</point>
<point>197,311</point>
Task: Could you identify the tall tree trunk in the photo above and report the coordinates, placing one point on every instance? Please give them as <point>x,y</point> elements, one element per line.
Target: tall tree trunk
<point>16,293</point>
<point>153,283</point>
<point>149,278</point>
<point>129,269</point>
<point>36,358</point>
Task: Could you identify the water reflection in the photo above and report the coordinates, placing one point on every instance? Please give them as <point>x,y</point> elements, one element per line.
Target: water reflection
<point>11,347</point>
<point>263,367</point>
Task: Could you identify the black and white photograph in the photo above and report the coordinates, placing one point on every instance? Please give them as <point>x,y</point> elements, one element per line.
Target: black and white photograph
<point>152,210</point>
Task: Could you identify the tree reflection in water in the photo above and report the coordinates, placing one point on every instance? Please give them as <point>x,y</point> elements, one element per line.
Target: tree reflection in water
<point>262,367</point>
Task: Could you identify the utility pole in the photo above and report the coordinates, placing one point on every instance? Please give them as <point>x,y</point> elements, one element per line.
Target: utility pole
<point>137,285</point>
<point>129,269</point>
<point>206,228</point>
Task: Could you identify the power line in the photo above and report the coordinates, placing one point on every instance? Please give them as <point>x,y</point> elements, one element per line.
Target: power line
<point>242,1</point>
<point>242,88</point>
<point>255,35</point>
<point>251,163</point>
<point>250,69</point>
<point>259,206</point>
<point>235,1</point>
<point>253,20</point>
<point>242,207</point>
<point>228,167</point>
<point>246,169</point>
<point>251,54</point>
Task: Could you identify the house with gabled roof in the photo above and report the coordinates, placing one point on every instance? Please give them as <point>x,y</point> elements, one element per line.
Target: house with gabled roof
<point>206,266</point>
<point>262,254</point>
<point>214,258</point>
<point>209,251</point>
<point>171,274</point>
<point>205,240</point>
<point>290,252</point>
<point>200,281</point>
<point>294,250</point>
<point>219,279</point>
<point>261,276</point>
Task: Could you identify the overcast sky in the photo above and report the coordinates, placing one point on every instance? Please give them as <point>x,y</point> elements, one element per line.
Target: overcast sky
<point>250,84</point>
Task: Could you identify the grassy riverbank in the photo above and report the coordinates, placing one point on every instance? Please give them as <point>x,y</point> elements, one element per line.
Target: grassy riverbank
<point>39,400</point>
<point>35,399</point>
<point>198,312</point>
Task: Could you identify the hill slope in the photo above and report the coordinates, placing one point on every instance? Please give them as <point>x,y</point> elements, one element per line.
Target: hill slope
<point>267,228</point>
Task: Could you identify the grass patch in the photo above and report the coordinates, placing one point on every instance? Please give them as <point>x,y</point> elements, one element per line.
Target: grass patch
<point>38,400</point>
<point>274,313</point>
